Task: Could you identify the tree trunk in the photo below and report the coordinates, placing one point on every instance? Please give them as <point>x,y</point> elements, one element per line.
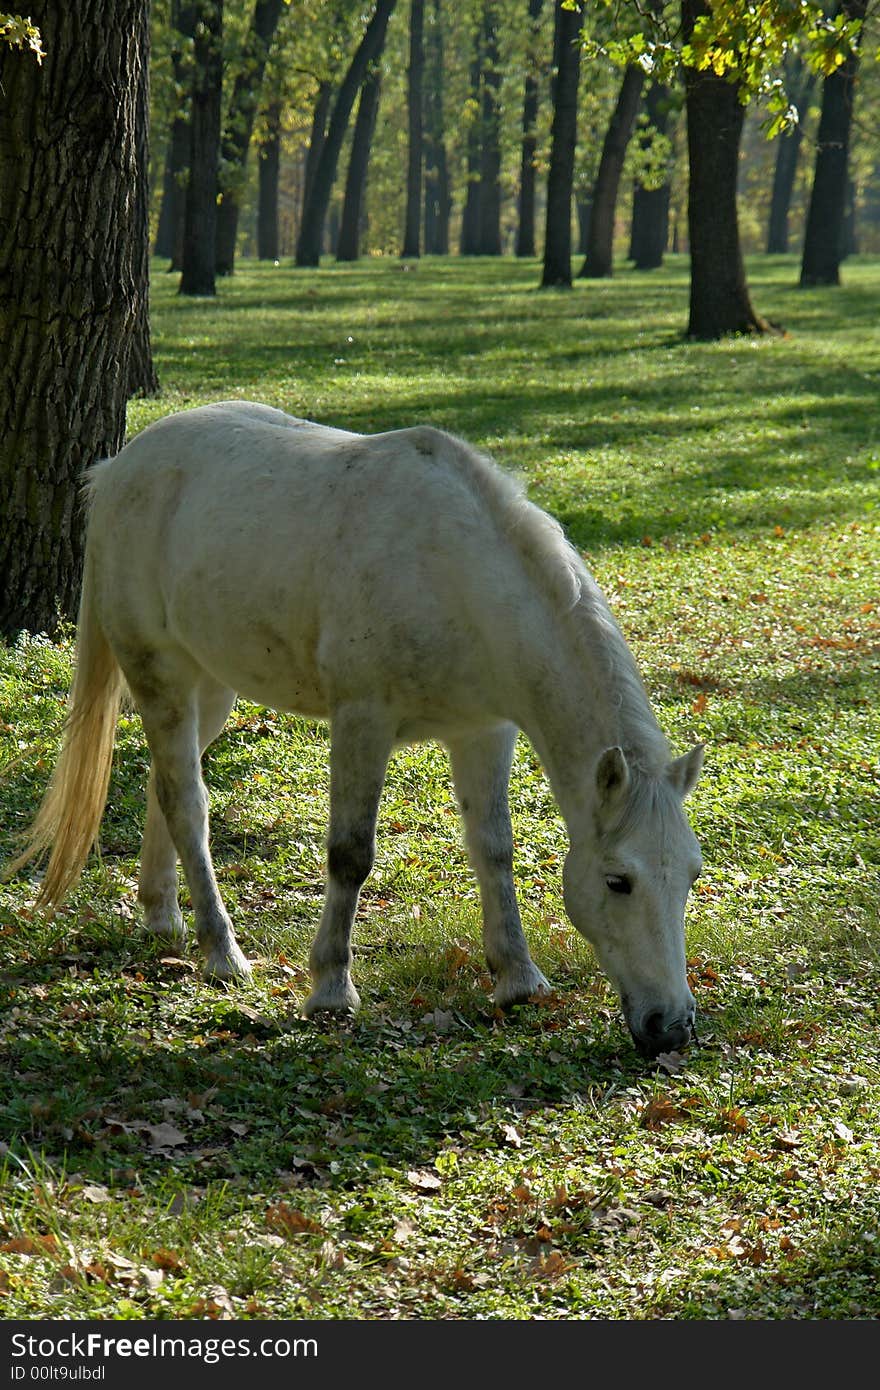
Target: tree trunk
<point>583,207</point>
<point>823,239</point>
<point>489,224</point>
<point>203,22</point>
<point>308,250</point>
<point>784,170</point>
<point>567,61</point>
<point>437,200</point>
<point>71,251</point>
<point>348,246</point>
<point>142,377</point>
<point>169,235</point>
<point>415,111</point>
<point>649,232</point>
<point>268,245</point>
<point>525,235</point>
<point>470,217</point>
<point>236,137</point>
<point>599,262</point>
<point>719,299</point>
<point>317,137</point>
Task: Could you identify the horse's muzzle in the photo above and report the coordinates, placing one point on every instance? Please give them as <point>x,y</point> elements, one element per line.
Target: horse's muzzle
<point>656,1034</point>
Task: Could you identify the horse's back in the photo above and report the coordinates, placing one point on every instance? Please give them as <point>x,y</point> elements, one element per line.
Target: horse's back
<point>295,561</point>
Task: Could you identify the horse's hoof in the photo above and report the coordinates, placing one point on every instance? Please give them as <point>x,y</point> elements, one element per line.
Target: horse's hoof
<point>340,1003</point>
<point>229,964</point>
<point>174,933</point>
<point>520,987</point>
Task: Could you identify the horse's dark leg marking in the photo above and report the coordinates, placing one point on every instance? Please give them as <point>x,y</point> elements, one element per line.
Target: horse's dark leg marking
<point>481,770</point>
<point>360,744</point>
<point>157,886</point>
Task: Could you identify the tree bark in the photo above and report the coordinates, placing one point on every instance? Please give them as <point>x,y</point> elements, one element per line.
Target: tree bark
<point>236,138</point>
<point>785,168</point>
<point>599,261</point>
<point>525,235</point>
<point>563,137</point>
<point>268,244</point>
<point>649,232</point>
<point>71,253</point>
<point>142,377</point>
<point>489,224</point>
<point>317,136</point>
<point>719,298</point>
<point>824,235</point>
<point>437,199</point>
<point>415,113</point>
<point>470,217</point>
<point>203,22</point>
<point>348,246</point>
<point>169,235</point>
<point>308,250</point>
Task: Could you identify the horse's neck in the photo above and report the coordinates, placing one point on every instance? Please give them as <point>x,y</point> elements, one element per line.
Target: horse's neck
<point>583,694</point>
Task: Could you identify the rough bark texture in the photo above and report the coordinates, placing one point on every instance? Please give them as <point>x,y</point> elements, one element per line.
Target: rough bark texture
<point>719,298</point>
<point>203,22</point>
<point>351,224</point>
<point>649,232</point>
<point>438,203</point>
<point>599,261</point>
<point>308,249</point>
<point>142,377</point>
<point>489,219</point>
<point>71,240</point>
<point>557,238</point>
<point>525,233</point>
<point>238,129</point>
<point>788,148</point>
<point>415,114</point>
<point>824,235</point>
<point>267,193</point>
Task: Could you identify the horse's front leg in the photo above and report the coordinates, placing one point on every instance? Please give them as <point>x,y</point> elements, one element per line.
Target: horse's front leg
<point>361,739</point>
<point>481,770</point>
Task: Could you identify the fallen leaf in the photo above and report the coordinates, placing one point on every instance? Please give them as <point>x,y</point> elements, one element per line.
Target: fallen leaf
<point>165,1135</point>
<point>94,1192</point>
<point>733,1119</point>
<point>787,1140</point>
<point>423,1180</point>
<point>670,1062</point>
<point>510,1135</point>
<point>166,1259</point>
<point>31,1245</point>
<point>660,1110</point>
<point>843,1131</point>
<point>291,1221</point>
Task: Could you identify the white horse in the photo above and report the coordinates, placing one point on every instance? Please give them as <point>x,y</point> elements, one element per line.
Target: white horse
<point>403,587</point>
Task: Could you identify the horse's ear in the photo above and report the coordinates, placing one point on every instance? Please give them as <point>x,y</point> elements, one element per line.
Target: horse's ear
<point>685,771</point>
<point>612,778</point>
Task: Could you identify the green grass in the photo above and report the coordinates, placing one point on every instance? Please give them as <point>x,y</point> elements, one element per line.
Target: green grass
<point>430,1159</point>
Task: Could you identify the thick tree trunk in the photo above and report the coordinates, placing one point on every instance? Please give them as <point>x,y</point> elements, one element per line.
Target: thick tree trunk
<point>169,235</point>
<point>649,232</point>
<point>470,217</point>
<point>238,129</point>
<point>719,300</point>
<point>308,250</point>
<point>317,136</point>
<point>142,377</point>
<point>525,234</point>
<point>71,253</point>
<point>348,247</point>
<point>567,61</point>
<point>599,261</point>
<point>203,22</point>
<point>437,200</point>
<point>788,148</point>
<point>824,237</point>
<point>489,222</point>
<point>583,210</point>
<point>268,244</point>
<point>415,113</point>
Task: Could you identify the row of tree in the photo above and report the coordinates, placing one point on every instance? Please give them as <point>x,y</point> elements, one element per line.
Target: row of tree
<point>75,118</point>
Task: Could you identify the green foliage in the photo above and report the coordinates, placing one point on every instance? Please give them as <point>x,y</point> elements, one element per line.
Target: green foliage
<point>21,33</point>
<point>172,1150</point>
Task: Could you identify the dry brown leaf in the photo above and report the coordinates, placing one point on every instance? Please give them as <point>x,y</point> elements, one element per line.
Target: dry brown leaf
<point>290,1221</point>
<point>31,1245</point>
<point>167,1259</point>
<point>423,1180</point>
<point>660,1110</point>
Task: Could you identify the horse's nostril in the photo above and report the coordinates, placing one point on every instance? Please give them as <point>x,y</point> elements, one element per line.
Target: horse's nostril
<point>653,1025</point>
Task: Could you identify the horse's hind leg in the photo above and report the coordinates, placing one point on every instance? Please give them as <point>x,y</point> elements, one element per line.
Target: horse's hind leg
<point>481,769</point>
<point>175,727</point>
<point>158,886</point>
<point>360,744</point>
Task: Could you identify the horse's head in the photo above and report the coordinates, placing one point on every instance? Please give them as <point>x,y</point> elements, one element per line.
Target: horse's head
<point>626,883</point>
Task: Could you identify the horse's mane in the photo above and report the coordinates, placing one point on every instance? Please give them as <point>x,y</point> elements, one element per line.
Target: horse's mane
<point>555,565</point>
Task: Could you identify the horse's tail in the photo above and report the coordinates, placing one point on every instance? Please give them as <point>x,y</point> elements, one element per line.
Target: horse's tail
<point>70,814</point>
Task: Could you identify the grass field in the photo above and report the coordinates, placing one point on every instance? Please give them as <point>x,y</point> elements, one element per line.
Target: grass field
<point>173,1150</point>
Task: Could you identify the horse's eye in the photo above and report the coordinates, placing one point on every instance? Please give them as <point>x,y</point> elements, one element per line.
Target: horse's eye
<point>619,883</point>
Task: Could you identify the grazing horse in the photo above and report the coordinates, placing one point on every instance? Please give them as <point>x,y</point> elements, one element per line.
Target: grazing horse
<point>403,587</point>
